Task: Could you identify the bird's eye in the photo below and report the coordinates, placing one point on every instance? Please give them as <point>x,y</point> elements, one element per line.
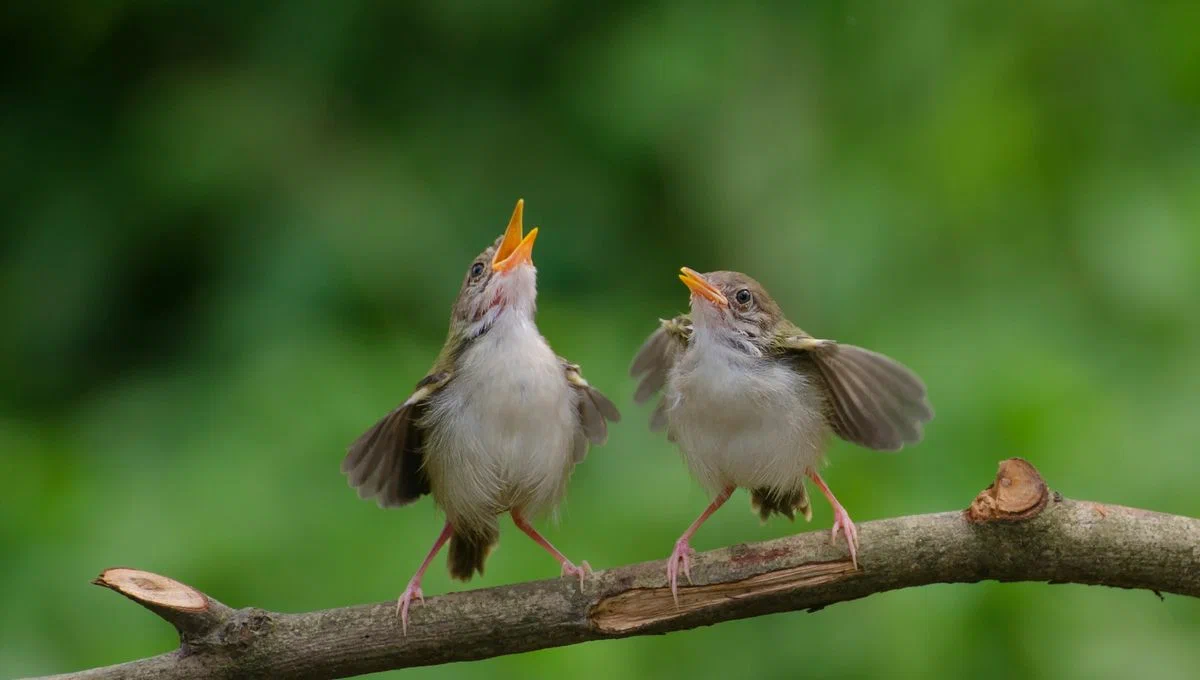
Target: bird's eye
<point>742,297</point>
<point>477,270</point>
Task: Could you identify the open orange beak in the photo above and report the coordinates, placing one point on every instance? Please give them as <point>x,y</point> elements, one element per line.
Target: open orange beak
<point>512,235</point>
<point>515,250</point>
<point>700,286</point>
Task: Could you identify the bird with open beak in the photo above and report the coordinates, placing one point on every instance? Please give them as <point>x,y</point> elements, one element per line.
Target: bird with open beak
<point>751,401</point>
<point>496,426</point>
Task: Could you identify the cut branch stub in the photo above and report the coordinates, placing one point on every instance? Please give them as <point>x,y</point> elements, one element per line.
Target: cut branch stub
<point>147,588</point>
<point>193,613</point>
<point>1017,494</point>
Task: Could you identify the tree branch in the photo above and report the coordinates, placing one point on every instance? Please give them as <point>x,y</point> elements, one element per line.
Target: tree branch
<point>1016,530</point>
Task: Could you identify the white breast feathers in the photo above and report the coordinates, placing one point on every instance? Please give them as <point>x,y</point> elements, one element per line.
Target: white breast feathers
<point>743,420</point>
<point>505,426</point>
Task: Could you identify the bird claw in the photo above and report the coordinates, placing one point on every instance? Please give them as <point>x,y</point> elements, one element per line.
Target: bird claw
<point>582,571</point>
<point>413,590</point>
<point>680,557</point>
<point>841,521</point>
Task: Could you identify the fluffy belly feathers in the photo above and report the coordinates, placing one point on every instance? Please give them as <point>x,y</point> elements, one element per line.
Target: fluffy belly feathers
<point>501,432</point>
<point>744,421</point>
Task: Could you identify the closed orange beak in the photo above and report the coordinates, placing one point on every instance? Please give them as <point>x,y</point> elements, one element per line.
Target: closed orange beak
<point>699,285</point>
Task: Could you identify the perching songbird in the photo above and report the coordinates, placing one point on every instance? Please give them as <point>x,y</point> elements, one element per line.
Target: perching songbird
<point>751,401</point>
<point>497,425</point>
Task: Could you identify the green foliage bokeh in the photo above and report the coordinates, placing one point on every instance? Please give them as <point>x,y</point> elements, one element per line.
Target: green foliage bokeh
<point>233,232</point>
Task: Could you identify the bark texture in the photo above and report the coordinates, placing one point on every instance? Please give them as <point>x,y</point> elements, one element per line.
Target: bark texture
<point>1016,530</point>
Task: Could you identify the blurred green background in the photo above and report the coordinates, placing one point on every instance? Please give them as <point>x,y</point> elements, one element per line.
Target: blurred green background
<point>233,232</point>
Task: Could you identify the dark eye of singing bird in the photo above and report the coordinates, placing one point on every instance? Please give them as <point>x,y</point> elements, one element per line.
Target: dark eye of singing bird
<point>743,296</point>
<point>477,270</point>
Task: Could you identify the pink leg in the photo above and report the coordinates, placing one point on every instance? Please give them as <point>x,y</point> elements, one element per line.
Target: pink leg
<point>681,556</point>
<point>414,584</point>
<point>567,567</point>
<point>841,519</point>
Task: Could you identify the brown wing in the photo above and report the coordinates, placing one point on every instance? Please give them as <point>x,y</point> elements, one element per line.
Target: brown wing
<point>876,402</point>
<point>654,360</point>
<point>386,462</point>
<point>595,411</point>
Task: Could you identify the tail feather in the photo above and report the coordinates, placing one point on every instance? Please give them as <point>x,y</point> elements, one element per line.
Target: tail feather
<point>768,501</point>
<point>469,550</point>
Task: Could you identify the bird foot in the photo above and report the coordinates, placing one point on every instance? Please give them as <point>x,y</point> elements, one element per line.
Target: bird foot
<point>582,571</point>
<point>413,590</point>
<point>680,559</point>
<point>842,522</point>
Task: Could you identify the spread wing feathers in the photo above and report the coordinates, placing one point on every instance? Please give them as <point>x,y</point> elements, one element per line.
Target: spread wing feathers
<point>876,401</point>
<point>595,411</point>
<point>386,462</point>
<point>654,361</point>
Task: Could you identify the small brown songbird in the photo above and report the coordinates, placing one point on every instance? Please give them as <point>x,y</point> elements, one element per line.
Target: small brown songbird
<point>496,426</point>
<point>751,400</point>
